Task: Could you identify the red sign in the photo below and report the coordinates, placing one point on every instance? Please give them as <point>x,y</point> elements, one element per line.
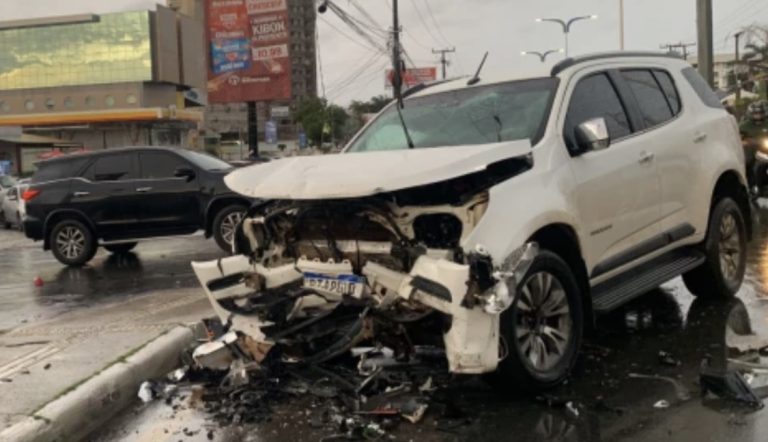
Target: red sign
<point>249,57</point>
<point>414,76</point>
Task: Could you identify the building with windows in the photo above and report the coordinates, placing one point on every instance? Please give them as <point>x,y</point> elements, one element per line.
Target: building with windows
<point>100,81</point>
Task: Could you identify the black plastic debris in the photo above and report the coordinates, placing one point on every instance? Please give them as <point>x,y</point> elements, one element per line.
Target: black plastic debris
<point>729,385</point>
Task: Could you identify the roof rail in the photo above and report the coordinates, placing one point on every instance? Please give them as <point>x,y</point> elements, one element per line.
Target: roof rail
<point>568,62</point>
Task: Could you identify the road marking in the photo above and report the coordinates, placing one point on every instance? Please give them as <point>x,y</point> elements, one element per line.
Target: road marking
<point>19,364</point>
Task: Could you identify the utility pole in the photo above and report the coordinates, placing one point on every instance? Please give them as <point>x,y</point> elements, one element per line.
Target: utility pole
<point>397,79</point>
<point>736,63</point>
<point>706,45</point>
<point>682,47</point>
<point>443,60</point>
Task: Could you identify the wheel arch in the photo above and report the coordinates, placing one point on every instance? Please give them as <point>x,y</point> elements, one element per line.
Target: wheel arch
<point>218,204</point>
<point>730,184</point>
<point>562,240</point>
<point>60,215</point>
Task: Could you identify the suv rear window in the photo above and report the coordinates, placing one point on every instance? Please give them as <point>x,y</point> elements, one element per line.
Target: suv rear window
<point>703,90</point>
<point>650,98</point>
<point>58,169</point>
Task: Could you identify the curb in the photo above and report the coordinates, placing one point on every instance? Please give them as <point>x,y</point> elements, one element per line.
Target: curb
<point>83,410</point>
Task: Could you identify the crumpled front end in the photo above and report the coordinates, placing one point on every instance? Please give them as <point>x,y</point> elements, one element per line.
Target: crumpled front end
<point>312,279</point>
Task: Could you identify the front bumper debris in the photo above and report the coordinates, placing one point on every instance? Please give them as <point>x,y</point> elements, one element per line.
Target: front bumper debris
<point>315,311</point>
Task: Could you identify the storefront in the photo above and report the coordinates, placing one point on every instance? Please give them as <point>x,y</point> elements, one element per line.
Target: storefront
<point>19,152</point>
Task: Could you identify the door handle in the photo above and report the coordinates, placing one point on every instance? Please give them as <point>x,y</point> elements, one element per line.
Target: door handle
<point>80,194</point>
<point>646,157</point>
<point>143,189</point>
<point>700,138</point>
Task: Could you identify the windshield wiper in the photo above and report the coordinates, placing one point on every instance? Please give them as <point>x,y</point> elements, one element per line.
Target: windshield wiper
<point>408,138</point>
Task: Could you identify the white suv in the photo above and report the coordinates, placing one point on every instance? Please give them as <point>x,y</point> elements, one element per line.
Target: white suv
<point>501,216</point>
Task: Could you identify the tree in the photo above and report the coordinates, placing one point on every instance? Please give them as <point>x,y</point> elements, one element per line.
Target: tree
<point>360,108</point>
<point>322,122</point>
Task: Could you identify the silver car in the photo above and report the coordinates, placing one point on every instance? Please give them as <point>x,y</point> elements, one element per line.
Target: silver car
<point>12,206</point>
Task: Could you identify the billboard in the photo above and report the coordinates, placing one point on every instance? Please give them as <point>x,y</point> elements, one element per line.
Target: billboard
<point>248,44</point>
<point>413,76</point>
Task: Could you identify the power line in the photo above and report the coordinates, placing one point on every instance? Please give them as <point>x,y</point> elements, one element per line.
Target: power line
<point>424,22</point>
<point>437,25</point>
<point>353,40</point>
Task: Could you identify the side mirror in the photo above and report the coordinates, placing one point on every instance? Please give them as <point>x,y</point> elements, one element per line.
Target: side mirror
<point>185,172</point>
<point>592,135</point>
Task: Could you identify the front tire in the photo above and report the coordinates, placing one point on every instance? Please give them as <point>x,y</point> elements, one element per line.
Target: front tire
<point>72,243</point>
<point>542,329</point>
<point>121,249</point>
<point>722,273</point>
<point>225,223</point>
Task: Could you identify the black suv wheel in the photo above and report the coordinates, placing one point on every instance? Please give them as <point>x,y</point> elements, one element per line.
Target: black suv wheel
<point>541,332</point>
<point>120,249</point>
<point>72,243</point>
<point>726,249</point>
<point>225,223</point>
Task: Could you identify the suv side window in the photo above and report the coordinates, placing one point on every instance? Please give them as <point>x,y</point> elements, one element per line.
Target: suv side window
<point>112,168</point>
<point>596,97</point>
<point>668,86</point>
<point>652,102</point>
<point>159,165</point>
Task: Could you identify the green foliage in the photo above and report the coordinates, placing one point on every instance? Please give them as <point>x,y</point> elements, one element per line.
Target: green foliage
<point>314,114</point>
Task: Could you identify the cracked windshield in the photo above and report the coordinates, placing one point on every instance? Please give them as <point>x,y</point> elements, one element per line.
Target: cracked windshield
<point>328,220</point>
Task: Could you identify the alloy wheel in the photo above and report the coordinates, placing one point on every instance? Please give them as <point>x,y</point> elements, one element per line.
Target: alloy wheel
<point>71,242</point>
<point>228,226</point>
<point>543,321</point>
<point>729,247</point>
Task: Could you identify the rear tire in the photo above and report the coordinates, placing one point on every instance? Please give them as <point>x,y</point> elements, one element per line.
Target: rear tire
<point>721,275</point>
<point>225,223</point>
<point>542,330</point>
<point>121,249</point>
<point>72,243</point>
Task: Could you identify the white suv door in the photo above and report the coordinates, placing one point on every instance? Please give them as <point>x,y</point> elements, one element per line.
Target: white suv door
<point>617,191</point>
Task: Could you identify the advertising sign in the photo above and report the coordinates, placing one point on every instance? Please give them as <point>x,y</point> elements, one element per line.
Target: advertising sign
<point>249,57</point>
<point>414,76</point>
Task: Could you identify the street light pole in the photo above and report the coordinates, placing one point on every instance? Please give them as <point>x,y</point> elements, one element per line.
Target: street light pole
<point>736,63</point>
<point>621,25</point>
<point>542,55</point>
<point>566,25</point>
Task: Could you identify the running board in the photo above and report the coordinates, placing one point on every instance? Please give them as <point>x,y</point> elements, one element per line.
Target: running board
<point>621,289</point>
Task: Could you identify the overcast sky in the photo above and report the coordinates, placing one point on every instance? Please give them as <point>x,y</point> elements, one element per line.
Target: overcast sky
<point>353,70</point>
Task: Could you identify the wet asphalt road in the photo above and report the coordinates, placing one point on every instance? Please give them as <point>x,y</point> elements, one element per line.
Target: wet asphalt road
<point>614,389</point>
<point>155,265</point>
<point>610,390</point>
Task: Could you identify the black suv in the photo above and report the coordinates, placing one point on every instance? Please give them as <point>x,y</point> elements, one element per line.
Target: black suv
<point>117,196</point>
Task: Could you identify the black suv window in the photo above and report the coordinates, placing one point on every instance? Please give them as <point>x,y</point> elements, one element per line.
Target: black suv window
<point>58,169</point>
<point>703,90</point>
<point>595,97</point>
<point>668,86</point>
<point>112,168</point>
<point>652,102</point>
<point>156,165</point>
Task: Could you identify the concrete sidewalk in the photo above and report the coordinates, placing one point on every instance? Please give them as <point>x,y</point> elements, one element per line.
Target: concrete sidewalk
<point>41,362</point>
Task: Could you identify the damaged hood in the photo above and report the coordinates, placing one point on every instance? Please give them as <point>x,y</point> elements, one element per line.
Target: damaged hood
<point>357,175</point>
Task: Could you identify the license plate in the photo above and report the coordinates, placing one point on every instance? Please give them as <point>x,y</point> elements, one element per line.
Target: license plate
<point>350,285</point>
